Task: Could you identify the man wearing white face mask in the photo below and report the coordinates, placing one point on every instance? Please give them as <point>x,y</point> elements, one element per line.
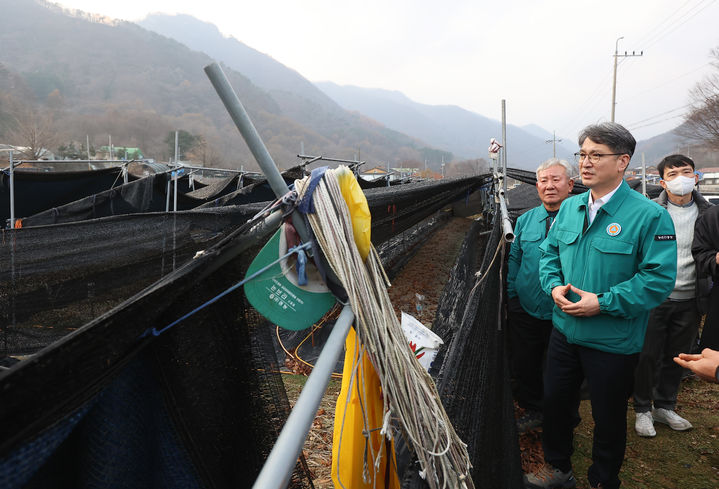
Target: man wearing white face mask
<point>674,324</point>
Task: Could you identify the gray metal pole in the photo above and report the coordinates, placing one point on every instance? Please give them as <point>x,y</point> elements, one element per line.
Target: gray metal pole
<point>644,176</point>
<point>167,200</point>
<point>12,192</point>
<point>252,138</point>
<point>281,462</point>
<point>177,177</point>
<point>504,148</point>
<point>176,145</point>
<point>506,222</point>
<point>247,129</point>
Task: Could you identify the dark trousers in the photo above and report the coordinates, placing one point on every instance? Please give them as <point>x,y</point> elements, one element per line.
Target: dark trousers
<point>528,339</point>
<point>672,327</point>
<point>710,332</point>
<point>610,377</point>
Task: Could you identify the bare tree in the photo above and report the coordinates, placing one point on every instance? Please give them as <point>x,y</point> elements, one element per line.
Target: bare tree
<point>702,122</point>
<point>33,131</point>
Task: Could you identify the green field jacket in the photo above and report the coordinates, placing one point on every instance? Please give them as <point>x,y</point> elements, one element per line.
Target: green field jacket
<point>523,264</point>
<point>627,256</point>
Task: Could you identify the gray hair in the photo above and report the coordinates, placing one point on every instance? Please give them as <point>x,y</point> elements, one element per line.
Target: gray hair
<point>612,134</point>
<point>569,169</point>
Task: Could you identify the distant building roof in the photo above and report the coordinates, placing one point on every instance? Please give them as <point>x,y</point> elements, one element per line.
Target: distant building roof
<point>377,170</point>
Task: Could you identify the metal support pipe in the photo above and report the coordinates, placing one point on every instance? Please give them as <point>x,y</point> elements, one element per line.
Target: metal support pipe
<point>12,192</point>
<point>644,176</point>
<point>252,138</point>
<point>325,158</point>
<point>499,194</point>
<point>281,462</point>
<point>176,177</point>
<point>278,467</point>
<point>247,128</point>
<point>70,162</point>
<point>506,222</point>
<point>167,200</point>
<point>504,142</point>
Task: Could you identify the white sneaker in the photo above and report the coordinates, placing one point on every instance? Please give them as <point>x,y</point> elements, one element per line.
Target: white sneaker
<point>675,422</point>
<point>644,425</point>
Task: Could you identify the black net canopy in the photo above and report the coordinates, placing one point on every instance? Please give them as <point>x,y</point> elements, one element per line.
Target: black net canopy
<point>94,396</point>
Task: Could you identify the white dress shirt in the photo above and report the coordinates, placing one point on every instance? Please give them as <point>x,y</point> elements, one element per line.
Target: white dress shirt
<point>595,205</point>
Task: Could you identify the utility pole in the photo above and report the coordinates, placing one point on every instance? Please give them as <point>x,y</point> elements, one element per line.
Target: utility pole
<point>614,84</point>
<point>554,142</point>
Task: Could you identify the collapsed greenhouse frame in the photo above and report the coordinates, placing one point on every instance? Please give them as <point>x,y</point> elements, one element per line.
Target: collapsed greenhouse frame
<point>94,365</point>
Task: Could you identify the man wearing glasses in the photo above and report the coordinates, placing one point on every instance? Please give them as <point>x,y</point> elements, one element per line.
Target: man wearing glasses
<point>609,258</point>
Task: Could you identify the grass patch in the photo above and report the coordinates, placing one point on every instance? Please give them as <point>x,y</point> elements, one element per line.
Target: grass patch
<point>672,459</point>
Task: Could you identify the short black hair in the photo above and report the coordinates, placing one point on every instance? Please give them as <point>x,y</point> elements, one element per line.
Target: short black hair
<point>614,135</point>
<point>674,161</point>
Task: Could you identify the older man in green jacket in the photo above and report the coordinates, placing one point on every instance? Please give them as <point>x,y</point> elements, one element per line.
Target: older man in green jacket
<point>529,308</point>
<point>608,260</point>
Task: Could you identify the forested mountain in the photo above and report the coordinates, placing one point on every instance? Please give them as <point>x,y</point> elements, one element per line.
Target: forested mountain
<point>88,75</point>
<point>448,127</point>
<point>656,148</point>
<point>455,130</point>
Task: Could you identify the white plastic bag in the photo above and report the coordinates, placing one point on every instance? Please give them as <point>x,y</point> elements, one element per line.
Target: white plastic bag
<point>423,342</point>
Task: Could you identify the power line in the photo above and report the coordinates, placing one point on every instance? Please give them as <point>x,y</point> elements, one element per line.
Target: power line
<point>651,33</point>
<point>586,106</point>
<point>656,122</point>
<point>677,26</point>
<point>661,114</point>
<point>672,80</point>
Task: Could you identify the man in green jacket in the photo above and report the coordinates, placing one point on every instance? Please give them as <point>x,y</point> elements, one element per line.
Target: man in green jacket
<point>608,260</point>
<point>529,308</point>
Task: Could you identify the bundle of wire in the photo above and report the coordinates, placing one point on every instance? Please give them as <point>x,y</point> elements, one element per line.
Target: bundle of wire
<point>409,393</point>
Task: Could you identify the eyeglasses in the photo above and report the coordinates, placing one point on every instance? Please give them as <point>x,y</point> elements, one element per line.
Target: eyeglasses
<point>593,157</point>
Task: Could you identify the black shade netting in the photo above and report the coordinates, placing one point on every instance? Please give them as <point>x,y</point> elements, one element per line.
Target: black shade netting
<point>54,279</point>
<point>524,197</point>
<point>153,193</point>
<point>209,387</point>
<point>200,405</point>
<point>36,191</point>
<point>397,208</point>
<point>470,368</point>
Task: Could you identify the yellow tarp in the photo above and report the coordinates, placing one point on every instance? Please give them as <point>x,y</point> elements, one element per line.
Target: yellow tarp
<point>350,448</point>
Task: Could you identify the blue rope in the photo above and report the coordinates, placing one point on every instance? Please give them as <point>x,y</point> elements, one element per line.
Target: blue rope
<point>155,332</point>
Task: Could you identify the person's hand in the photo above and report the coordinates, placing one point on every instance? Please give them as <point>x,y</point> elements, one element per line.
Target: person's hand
<point>717,258</point>
<point>586,306</point>
<point>704,364</point>
<point>559,295</point>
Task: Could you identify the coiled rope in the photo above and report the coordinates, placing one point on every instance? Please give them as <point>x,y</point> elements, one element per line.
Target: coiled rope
<point>409,393</point>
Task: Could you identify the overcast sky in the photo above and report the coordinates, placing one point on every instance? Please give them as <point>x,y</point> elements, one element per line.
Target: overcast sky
<point>551,61</point>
